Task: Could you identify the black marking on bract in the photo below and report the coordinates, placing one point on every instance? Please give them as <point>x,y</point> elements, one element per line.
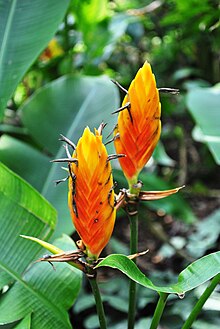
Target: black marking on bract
<point>74,207</point>
<point>108,179</point>
<point>73,177</point>
<point>110,193</point>
<point>73,196</point>
<point>68,141</point>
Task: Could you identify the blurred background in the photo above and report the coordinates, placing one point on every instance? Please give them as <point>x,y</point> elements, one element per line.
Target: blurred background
<point>69,86</point>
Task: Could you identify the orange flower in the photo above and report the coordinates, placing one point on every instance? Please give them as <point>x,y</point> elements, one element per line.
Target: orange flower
<point>139,126</point>
<point>53,50</point>
<point>91,196</point>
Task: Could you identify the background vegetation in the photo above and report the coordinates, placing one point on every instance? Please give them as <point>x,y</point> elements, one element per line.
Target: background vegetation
<point>56,62</point>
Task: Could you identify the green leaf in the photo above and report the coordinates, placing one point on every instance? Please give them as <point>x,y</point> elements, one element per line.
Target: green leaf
<point>194,275</point>
<point>206,233</point>
<point>203,104</point>
<point>66,106</point>
<point>89,13</point>
<point>26,161</point>
<point>161,156</point>
<point>25,323</point>
<point>25,29</point>
<point>46,293</point>
<point>32,288</point>
<point>23,211</point>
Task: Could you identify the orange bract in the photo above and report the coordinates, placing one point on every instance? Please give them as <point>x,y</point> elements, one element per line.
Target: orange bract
<point>138,131</point>
<point>91,197</point>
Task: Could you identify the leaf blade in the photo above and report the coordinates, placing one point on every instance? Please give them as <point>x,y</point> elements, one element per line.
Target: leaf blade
<point>198,272</point>
<point>26,28</point>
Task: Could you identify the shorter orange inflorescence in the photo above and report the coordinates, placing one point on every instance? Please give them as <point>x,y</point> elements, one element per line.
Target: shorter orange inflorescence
<point>139,126</point>
<point>91,194</point>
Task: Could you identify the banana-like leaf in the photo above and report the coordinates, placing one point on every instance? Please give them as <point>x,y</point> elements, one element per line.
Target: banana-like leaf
<point>194,275</point>
<point>66,106</point>
<point>23,211</point>
<point>26,161</point>
<point>207,122</point>
<point>42,293</point>
<point>33,293</point>
<point>25,29</point>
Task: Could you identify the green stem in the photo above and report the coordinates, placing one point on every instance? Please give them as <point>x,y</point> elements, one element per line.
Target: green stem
<point>132,287</point>
<point>132,211</point>
<point>197,308</point>
<point>159,310</point>
<point>98,300</point>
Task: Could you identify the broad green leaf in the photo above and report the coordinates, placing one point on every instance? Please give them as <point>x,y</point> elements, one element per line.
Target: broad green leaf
<point>194,275</point>
<point>24,160</point>
<point>25,323</point>
<point>203,104</point>
<point>66,106</point>
<point>32,288</point>
<point>174,204</point>
<point>25,29</point>
<point>43,292</point>
<point>206,233</point>
<point>23,211</point>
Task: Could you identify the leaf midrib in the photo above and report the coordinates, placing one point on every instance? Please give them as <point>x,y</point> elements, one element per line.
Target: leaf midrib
<point>7,30</point>
<point>54,309</point>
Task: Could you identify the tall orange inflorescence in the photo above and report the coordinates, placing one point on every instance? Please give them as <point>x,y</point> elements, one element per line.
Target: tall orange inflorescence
<point>138,128</point>
<point>91,196</point>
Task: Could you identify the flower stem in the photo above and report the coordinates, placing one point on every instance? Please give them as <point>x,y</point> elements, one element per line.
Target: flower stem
<point>197,308</point>
<point>159,310</point>
<point>99,305</point>
<point>132,287</point>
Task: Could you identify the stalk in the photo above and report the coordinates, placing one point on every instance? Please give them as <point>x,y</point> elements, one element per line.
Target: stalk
<point>132,210</point>
<point>159,310</point>
<point>98,301</point>
<point>203,298</point>
<point>132,286</point>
